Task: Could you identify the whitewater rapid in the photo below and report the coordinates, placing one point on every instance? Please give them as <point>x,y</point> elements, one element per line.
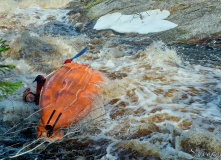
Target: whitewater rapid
<point>158,104</point>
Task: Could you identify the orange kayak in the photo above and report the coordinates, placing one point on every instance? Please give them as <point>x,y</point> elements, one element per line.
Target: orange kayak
<point>67,97</point>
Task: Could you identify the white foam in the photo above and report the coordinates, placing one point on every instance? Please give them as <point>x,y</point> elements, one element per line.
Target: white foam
<point>110,64</point>
<point>39,16</point>
<point>212,111</point>
<point>10,5</point>
<point>14,111</point>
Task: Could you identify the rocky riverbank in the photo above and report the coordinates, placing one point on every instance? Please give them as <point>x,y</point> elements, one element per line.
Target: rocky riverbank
<point>198,20</point>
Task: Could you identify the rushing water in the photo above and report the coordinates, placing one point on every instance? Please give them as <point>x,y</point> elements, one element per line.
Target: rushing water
<point>160,102</point>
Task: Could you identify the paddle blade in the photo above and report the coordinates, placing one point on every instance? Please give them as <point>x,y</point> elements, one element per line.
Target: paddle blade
<point>80,53</point>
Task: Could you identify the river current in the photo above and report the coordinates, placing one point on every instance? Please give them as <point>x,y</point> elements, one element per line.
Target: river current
<point>158,102</point>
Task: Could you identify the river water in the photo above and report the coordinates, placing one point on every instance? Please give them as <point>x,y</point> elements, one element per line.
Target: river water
<point>158,102</point>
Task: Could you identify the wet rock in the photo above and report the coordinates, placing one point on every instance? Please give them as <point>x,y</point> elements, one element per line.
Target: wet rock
<point>211,40</point>
<point>74,11</point>
<point>79,27</point>
<point>57,28</point>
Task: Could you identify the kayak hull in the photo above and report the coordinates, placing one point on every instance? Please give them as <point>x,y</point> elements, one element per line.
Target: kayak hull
<point>69,95</point>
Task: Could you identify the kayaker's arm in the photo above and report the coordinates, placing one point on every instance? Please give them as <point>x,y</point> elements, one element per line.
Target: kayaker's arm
<point>40,79</point>
<point>40,83</point>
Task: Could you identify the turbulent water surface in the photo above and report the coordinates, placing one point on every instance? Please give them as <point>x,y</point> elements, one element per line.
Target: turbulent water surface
<point>159,102</point>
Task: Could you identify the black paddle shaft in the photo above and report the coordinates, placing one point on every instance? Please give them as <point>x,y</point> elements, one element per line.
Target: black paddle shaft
<point>48,127</point>
<point>51,117</point>
<point>57,119</point>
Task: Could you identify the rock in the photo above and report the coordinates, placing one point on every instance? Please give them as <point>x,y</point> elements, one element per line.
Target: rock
<point>79,27</point>
<point>76,4</point>
<point>196,19</point>
<point>125,7</point>
<point>74,11</point>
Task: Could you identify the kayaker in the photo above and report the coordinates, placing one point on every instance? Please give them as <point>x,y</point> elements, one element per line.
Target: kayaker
<point>29,96</point>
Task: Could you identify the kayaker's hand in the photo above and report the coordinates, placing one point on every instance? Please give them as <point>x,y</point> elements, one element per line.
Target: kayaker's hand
<point>67,61</point>
<point>27,90</point>
<point>39,79</point>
